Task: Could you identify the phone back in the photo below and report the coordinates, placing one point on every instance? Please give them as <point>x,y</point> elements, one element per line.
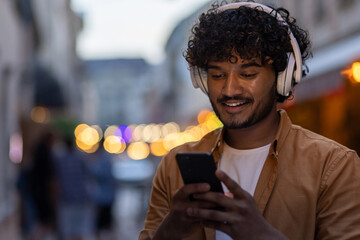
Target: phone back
<point>198,168</point>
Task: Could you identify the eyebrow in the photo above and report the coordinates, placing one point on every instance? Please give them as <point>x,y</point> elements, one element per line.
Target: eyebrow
<point>242,66</point>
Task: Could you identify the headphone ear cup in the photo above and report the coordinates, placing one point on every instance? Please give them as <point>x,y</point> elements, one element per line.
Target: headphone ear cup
<point>199,78</point>
<point>285,78</point>
<point>194,77</point>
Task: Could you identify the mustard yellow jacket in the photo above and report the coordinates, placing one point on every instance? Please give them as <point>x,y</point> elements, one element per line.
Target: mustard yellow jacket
<point>309,187</point>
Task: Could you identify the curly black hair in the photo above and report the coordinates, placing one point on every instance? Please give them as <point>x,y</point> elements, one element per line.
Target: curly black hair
<point>248,33</point>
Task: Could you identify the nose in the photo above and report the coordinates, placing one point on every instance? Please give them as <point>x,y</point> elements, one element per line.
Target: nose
<point>232,85</point>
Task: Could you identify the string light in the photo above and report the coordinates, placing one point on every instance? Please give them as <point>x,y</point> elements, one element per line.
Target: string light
<point>144,139</point>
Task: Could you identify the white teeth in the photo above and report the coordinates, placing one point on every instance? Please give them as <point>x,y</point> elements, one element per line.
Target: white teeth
<point>233,104</point>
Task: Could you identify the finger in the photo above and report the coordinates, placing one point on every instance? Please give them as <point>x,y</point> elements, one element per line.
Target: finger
<point>233,186</point>
<point>202,204</point>
<point>229,195</point>
<point>222,221</point>
<point>223,226</point>
<point>189,189</point>
<point>210,215</point>
<point>198,205</point>
<point>216,198</point>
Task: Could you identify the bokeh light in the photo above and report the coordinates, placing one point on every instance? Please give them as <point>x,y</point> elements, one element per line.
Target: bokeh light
<point>157,148</point>
<point>16,148</point>
<point>40,114</point>
<point>171,141</point>
<point>202,116</point>
<point>138,150</point>
<point>353,72</point>
<point>151,132</point>
<point>128,133</point>
<point>92,149</point>
<point>89,136</point>
<point>79,129</point>
<point>212,122</point>
<point>155,139</point>
<point>119,131</point>
<point>83,146</point>
<point>99,130</point>
<point>110,131</point>
<point>196,132</point>
<point>137,134</point>
<point>147,132</point>
<point>114,144</point>
<point>169,128</point>
<point>356,71</point>
<point>156,132</point>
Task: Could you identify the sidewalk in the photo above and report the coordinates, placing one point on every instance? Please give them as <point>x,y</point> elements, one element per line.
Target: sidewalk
<point>129,212</point>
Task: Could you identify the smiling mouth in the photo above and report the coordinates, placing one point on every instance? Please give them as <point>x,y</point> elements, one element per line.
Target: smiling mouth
<point>235,104</point>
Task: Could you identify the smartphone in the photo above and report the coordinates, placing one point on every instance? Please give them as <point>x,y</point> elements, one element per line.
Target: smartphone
<point>199,168</point>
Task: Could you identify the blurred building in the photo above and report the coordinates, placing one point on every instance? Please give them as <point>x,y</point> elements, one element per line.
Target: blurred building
<point>38,68</point>
<point>58,27</point>
<point>55,77</point>
<point>184,102</point>
<point>325,101</point>
<point>55,86</point>
<point>15,52</point>
<point>122,90</point>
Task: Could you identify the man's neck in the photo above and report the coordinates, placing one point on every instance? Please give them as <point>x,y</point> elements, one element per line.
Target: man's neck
<point>254,136</point>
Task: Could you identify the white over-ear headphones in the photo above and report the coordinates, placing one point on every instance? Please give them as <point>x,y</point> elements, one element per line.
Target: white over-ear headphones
<point>285,78</point>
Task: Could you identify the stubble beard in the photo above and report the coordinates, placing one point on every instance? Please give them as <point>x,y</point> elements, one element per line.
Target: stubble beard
<point>260,113</point>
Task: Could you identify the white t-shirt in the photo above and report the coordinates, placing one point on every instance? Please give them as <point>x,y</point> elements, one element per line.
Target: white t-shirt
<point>244,167</point>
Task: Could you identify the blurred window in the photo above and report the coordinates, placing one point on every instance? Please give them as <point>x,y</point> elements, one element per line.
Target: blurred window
<point>320,12</point>
<point>25,10</point>
<point>4,77</point>
<point>345,4</point>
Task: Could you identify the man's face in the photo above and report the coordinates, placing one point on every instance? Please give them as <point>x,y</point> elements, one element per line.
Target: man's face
<point>242,93</point>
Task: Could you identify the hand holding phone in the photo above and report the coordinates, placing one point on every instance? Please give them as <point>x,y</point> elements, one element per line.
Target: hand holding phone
<point>199,168</point>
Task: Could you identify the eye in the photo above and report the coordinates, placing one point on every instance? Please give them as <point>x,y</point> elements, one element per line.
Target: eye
<point>217,76</point>
<point>249,75</point>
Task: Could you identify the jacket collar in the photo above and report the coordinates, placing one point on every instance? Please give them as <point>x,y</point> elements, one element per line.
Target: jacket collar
<point>276,145</point>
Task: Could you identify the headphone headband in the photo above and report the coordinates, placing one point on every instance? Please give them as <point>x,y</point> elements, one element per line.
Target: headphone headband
<point>285,78</point>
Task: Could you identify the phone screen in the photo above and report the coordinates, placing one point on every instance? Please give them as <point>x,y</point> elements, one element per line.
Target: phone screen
<point>199,168</point>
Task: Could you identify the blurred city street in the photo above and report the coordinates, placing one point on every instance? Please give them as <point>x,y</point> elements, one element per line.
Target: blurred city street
<point>129,213</point>
<point>94,93</point>
<point>132,197</point>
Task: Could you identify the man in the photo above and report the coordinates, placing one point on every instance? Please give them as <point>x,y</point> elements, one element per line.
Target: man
<point>281,181</point>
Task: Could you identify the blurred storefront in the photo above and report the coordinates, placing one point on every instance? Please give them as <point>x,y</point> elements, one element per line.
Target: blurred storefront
<point>326,100</point>
<point>16,44</point>
<point>40,80</point>
<point>328,104</point>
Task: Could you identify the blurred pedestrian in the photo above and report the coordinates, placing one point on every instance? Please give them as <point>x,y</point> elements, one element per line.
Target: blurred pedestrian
<point>104,192</point>
<point>42,185</point>
<point>26,202</point>
<point>75,207</point>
